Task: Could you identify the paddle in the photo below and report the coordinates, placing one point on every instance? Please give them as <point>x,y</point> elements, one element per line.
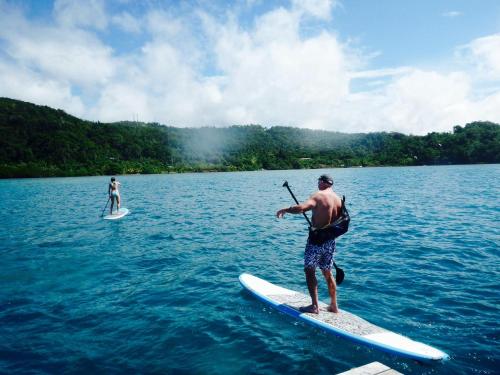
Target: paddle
<point>102,213</point>
<point>285,184</point>
<point>339,272</point>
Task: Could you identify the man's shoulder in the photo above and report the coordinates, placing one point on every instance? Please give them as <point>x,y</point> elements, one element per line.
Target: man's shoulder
<point>322,194</point>
<point>317,194</point>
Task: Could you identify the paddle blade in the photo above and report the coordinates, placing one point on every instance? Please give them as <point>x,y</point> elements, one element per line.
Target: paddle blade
<point>339,275</point>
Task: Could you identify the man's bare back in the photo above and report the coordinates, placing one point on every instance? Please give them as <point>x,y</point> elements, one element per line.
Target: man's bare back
<point>326,209</point>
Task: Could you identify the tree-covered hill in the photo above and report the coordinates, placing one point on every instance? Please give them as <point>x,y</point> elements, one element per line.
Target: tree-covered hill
<point>40,141</point>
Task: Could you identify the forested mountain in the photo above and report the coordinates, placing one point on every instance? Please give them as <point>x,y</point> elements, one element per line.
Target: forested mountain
<point>40,141</point>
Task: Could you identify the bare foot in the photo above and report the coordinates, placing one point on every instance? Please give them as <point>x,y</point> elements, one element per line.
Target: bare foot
<point>311,309</point>
<point>333,309</point>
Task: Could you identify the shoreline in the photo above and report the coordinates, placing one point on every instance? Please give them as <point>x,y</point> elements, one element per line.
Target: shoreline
<point>229,170</point>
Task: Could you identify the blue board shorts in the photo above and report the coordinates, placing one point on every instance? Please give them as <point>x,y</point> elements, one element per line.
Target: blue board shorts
<point>321,256</point>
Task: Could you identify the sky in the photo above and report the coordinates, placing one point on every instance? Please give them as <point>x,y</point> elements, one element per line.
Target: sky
<point>342,65</point>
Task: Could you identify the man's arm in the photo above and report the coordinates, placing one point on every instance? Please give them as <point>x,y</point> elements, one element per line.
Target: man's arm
<point>297,209</point>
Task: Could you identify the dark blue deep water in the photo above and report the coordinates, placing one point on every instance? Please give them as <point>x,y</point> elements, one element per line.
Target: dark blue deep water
<point>158,291</point>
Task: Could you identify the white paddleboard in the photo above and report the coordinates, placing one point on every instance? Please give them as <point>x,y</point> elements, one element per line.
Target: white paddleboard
<point>343,324</point>
<point>117,214</point>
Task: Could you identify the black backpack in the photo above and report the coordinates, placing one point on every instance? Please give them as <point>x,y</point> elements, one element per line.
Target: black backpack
<point>333,230</point>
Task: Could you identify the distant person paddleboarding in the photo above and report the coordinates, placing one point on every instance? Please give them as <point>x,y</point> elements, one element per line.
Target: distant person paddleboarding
<point>114,194</point>
<point>326,207</point>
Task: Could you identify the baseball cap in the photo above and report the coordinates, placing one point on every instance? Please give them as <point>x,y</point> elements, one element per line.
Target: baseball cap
<point>326,178</point>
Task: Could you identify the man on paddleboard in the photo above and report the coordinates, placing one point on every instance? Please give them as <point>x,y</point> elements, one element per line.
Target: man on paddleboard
<point>326,207</point>
<point>114,194</point>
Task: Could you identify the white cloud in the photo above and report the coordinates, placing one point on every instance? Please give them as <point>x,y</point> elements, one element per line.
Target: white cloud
<point>76,57</point>
<point>161,24</point>
<point>272,76</point>
<point>86,13</point>
<point>421,100</point>
<point>452,14</point>
<point>19,83</point>
<point>321,9</point>
<point>179,34</point>
<point>71,56</point>
<point>157,86</point>
<point>127,22</point>
<point>123,99</point>
<point>484,54</point>
<point>381,72</point>
<point>418,102</point>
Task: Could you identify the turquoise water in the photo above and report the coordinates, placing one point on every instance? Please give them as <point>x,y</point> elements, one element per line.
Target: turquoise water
<point>158,291</point>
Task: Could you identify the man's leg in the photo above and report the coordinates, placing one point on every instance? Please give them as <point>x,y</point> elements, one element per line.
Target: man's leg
<point>112,204</point>
<point>312,285</point>
<point>118,203</point>
<point>332,289</point>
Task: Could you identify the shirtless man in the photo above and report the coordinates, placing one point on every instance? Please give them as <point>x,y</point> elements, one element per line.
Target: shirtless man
<point>326,207</point>
<point>114,193</point>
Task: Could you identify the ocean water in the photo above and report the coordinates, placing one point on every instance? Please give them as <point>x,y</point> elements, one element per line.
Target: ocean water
<point>158,291</point>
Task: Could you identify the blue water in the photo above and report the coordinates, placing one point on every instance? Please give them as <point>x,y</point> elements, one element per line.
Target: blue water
<point>158,291</point>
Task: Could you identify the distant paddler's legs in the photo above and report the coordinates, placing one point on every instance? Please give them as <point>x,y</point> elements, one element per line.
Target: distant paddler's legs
<point>332,290</point>
<point>118,202</point>
<point>112,204</point>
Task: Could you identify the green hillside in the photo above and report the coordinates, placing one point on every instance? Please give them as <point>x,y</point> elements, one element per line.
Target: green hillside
<point>38,141</point>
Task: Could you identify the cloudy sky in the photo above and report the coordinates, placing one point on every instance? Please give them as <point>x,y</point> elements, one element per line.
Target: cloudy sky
<point>342,65</point>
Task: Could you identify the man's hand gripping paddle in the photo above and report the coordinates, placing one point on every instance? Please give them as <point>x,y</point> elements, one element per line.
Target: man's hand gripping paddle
<point>339,272</point>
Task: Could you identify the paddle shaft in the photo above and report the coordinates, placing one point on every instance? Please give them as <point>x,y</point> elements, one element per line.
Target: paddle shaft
<point>102,213</point>
<point>296,201</point>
